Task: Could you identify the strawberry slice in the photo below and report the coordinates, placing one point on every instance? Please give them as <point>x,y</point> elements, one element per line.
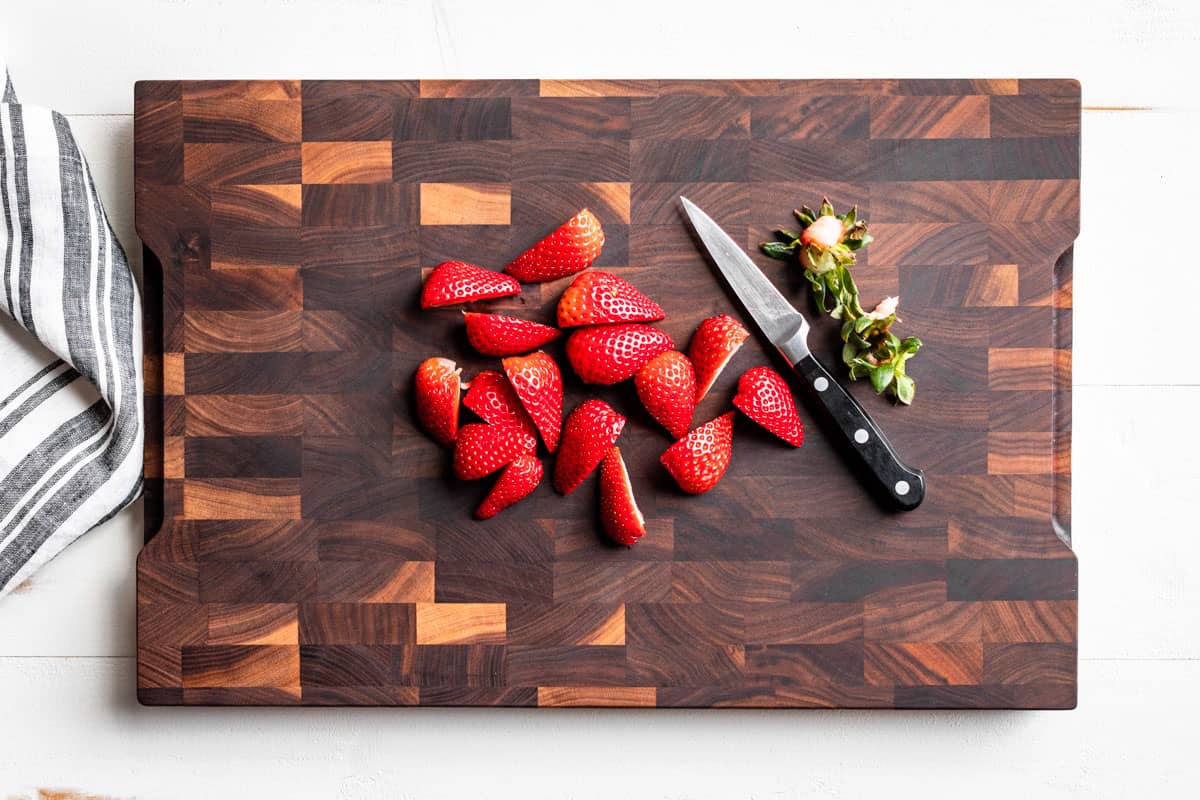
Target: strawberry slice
<point>713,344</point>
<point>491,396</point>
<point>698,460</point>
<point>538,384</point>
<point>589,431</point>
<point>519,478</point>
<point>483,448</point>
<point>571,248</point>
<point>454,282</point>
<point>438,381</point>
<point>763,396</point>
<point>619,513</point>
<point>598,298</point>
<point>498,335</point>
<point>666,385</point>
<point>609,354</point>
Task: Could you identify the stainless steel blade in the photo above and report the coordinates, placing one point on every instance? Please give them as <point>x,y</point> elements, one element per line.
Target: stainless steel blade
<point>780,322</point>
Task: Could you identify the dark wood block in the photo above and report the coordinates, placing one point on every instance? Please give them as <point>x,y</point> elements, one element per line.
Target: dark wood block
<point>453,119</point>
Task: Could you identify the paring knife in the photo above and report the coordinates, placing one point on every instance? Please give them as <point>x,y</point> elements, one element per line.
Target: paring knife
<point>787,329</point>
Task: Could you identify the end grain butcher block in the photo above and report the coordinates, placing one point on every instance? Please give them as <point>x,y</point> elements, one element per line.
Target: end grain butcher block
<point>307,544</point>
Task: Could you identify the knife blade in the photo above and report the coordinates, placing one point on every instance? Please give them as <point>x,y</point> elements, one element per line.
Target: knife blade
<point>877,462</point>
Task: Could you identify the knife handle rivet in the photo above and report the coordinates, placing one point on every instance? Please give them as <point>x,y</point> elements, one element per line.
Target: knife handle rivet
<point>821,384</point>
<point>861,437</point>
<point>902,488</point>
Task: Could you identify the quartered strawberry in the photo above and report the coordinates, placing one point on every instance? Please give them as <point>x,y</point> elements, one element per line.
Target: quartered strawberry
<point>715,341</point>
<point>482,448</point>
<point>491,396</point>
<point>763,396</point>
<point>599,298</point>
<point>698,460</point>
<point>454,282</point>
<point>666,385</point>
<point>609,354</point>
<point>519,478</point>
<point>438,382</point>
<point>498,335</point>
<point>588,433</point>
<point>619,513</point>
<point>538,384</point>
<point>571,248</point>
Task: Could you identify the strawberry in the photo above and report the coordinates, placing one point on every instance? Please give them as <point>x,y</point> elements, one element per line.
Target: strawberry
<point>438,383</point>
<point>597,298</point>
<point>571,248</point>
<point>715,341</point>
<point>491,396</point>
<point>826,231</point>
<point>519,478</point>
<point>454,282</point>
<point>622,520</point>
<point>538,384</point>
<point>590,430</point>
<point>763,396</point>
<point>609,354</point>
<point>698,460</point>
<point>498,335</point>
<point>666,385</point>
<point>483,448</point>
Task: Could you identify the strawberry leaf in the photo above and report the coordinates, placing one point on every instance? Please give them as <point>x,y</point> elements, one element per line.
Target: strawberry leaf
<point>881,377</point>
<point>906,388</point>
<point>778,249</point>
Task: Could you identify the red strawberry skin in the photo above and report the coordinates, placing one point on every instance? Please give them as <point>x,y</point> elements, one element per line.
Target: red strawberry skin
<point>454,282</point>
<point>609,354</point>
<point>699,460</point>
<point>619,513</point>
<point>600,298</point>
<point>538,383</point>
<point>437,388</point>
<point>498,335</point>
<point>571,248</point>
<point>517,481</point>
<point>492,398</point>
<point>482,448</point>
<point>666,385</point>
<point>763,396</point>
<point>715,341</point>
<point>588,433</point>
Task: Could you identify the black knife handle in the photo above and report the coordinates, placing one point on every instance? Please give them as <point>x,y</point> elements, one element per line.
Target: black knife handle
<point>899,483</point>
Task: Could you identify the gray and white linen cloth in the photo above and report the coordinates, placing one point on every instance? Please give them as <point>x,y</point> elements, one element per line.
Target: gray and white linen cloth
<point>71,418</point>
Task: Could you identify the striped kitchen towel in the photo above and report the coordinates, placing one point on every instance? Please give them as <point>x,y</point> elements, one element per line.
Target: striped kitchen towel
<point>70,347</point>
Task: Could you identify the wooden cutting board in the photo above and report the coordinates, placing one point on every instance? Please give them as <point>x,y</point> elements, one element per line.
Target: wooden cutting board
<point>307,545</point>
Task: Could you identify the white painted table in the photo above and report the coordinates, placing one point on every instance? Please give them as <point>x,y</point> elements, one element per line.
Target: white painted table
<point>68,717</point>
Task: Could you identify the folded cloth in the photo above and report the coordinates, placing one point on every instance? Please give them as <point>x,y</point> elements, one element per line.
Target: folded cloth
<point>70,347</point>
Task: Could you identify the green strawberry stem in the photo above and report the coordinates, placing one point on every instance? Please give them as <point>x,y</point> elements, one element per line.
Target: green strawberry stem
<point>870,350</point>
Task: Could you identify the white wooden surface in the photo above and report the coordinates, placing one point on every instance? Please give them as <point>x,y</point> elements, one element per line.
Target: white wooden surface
<point>68,719</point>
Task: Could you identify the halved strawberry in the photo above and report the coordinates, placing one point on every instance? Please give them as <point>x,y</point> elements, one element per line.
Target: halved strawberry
<point>715,341</point>
<point>698,460</point>
<point>609,354</point>
<point>491,396</point>
<point>538,384</point>
<point>483,448</point>
<point>619,513</point>
<point>438,383</point>
<point>763,396</point>
<point>666,385</point>
<point>498,335</point>
<point>454,282</point>
<point>571,248</point>
<point>588,433</point>
<point>598,298</point>
<point>519,478</point>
